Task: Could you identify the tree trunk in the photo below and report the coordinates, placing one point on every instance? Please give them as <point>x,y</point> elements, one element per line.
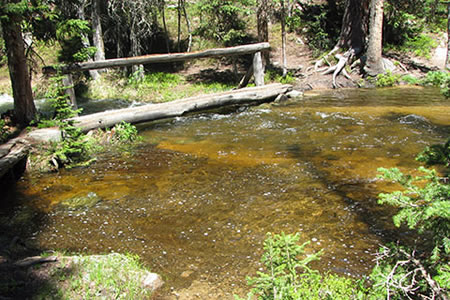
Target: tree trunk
<point>179,26</point>
<point>447,61</point>
<point>354,25</point>
<point>85,40</point>
<point>374,62</point>
<point>188,25</point>
<point>137,70</point>
<point>283,37</point>
<point>24,109</point>
<point>166,32</point>
<point>98,32</point>
<point>263,27</point>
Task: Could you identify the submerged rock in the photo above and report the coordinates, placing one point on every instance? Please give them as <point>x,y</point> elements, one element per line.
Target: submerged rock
<point>84,201</point>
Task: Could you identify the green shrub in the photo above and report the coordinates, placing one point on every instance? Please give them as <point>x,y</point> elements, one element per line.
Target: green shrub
<point>222,20</point>
<point>275,76</point>
<point>73,149</point>
<point>387,80</point>
<point>421,45</point>
<point>125,132</point>
<point>439,79</point>
<point>410,79</point>
<point>3,131</point>
<point>287,276</point>
<point>318,23</point>
<point>424,205</point>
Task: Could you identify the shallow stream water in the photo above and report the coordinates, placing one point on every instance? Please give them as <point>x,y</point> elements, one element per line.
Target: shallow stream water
<point>197,197</point>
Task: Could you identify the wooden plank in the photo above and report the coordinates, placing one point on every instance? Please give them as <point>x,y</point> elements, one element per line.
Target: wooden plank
<point>160,58</point>
<point>180,107</point>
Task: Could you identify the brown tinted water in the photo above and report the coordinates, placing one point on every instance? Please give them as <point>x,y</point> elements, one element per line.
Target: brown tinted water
<point>196,199</point>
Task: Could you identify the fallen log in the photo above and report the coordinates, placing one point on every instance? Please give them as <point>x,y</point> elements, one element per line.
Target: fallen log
<point>13,153</point>
<point>176,108</point>
<point>158,58</point>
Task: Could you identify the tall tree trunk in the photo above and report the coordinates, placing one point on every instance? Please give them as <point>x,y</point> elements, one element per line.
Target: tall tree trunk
<point>24,109</point>
<point>85,40</point>
<point>137,70</point>
<point>354,25</point>
<point>179,26</point>
<point>374,63</point>
<point>188,24</point>
<point>283,37</point>
<point>166,32</point>
<point>98,32</point>
<point>447,61</point>
<point>263,27</point>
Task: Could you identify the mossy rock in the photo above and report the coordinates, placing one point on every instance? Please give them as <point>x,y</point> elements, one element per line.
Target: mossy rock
<point>83,201</point>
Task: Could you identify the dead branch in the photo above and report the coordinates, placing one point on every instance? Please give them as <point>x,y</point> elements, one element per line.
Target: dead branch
<point>433,284</point>
<point>34,260</point>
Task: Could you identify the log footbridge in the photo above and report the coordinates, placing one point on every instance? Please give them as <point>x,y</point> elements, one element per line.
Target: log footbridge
<point>15,152</point>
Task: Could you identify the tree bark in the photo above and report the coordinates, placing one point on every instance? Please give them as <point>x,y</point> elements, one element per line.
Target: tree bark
<point>263,27</point>
<point>81,15</point>
<point>136,69</point>
<point>447,61</point>
<point>98,32</point>
<point>188,25</point>
<point>166,32</point>
<point>24,108</point>
<point>283,38</point>
<point>180,107</point>
<point>374,62</point>
<point>354,25</point>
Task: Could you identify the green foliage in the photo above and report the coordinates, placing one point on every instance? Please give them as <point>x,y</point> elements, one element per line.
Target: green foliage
<point>421,45</point>
<point>439,79</point>
<point>424,205</point>
<point>71,35</point>
<point>410,79</point>
<point>438,154</point>
<point>222,20</point>
<point>275,76</point>
<point>73,149</point>
<point>286,276</point>
<point>112,276</point>
<point>318,23</point>
<point>125,132</point>
<point>156,80</point>
<point>387,80</point>
<point>3,131</point>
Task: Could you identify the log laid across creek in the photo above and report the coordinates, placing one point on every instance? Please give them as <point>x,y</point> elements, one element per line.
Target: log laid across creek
<point>177,108</point>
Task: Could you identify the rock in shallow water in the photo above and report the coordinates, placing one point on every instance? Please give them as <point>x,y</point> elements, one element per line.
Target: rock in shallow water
<point>84,201</point>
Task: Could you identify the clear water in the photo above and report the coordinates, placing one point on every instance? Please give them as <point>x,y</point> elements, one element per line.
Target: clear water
<point>196,199</point>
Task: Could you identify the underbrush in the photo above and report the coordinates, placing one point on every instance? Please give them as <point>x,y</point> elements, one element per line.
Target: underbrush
<point>440,79</point>
<point>153,87</point>
<point>112,276</point>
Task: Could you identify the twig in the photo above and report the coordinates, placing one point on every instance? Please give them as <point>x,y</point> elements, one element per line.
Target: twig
<point>433,284</point>
<point>30,261</point>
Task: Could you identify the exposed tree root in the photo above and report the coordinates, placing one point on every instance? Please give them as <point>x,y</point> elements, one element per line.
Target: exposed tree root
<point>343,60</point>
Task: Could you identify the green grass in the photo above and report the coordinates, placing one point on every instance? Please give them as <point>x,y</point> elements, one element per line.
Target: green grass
<point>420,45</point>
<point>154,87</point>
<point>112,276</point>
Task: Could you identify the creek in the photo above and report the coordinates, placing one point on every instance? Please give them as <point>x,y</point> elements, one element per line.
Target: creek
<point>197,197</point>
